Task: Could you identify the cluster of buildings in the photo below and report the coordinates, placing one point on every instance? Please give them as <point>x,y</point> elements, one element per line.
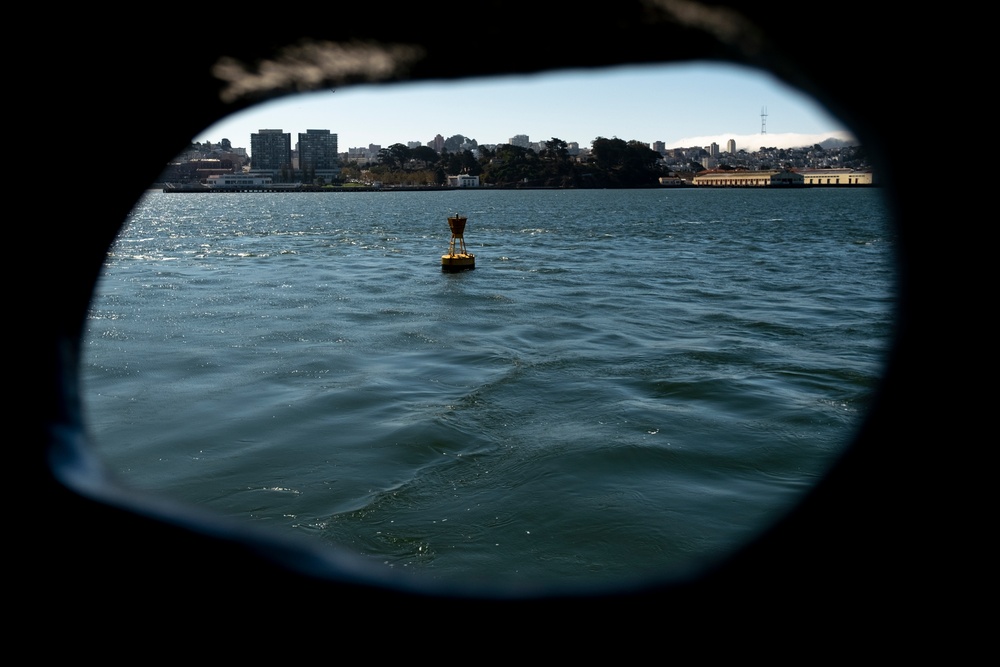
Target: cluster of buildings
<point>773,167</point>
<point>315,159</point>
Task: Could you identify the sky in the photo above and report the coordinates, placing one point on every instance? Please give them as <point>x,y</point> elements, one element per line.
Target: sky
<point>682,105</point>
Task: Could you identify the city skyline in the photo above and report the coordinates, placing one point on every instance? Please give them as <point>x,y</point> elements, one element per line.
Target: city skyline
<point>681,105</point>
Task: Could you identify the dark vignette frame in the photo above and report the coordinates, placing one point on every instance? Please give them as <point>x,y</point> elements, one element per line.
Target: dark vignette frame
<point>848,542</point>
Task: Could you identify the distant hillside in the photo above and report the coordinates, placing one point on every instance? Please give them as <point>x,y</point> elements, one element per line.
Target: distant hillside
<point>836,143</point>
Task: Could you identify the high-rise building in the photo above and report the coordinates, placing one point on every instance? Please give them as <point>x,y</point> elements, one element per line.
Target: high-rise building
<point>271,151</point>
<point>520,140</point>
<point>731,147</point>
<point>318,158</point>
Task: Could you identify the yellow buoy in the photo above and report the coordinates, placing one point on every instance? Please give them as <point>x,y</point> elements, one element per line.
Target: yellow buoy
<point>461,260</point>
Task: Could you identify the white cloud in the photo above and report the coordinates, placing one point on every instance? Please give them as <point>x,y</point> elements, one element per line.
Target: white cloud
<point>753,142</point>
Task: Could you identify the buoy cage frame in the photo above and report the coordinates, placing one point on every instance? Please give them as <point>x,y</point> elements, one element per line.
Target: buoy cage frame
<point>462,260</point>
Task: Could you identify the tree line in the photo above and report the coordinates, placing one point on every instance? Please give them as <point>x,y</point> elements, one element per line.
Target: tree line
<point>612,163</point>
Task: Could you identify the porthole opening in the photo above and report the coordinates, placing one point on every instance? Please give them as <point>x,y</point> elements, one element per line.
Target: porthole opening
<point>634,381</point>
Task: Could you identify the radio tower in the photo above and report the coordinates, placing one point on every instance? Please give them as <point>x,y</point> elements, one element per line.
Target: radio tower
<point>763,120</point>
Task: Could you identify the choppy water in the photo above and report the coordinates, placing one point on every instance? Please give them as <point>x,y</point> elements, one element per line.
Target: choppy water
<point>630,381</point>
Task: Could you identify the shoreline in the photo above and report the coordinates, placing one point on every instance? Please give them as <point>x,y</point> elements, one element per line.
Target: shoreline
<point>442,188</point>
